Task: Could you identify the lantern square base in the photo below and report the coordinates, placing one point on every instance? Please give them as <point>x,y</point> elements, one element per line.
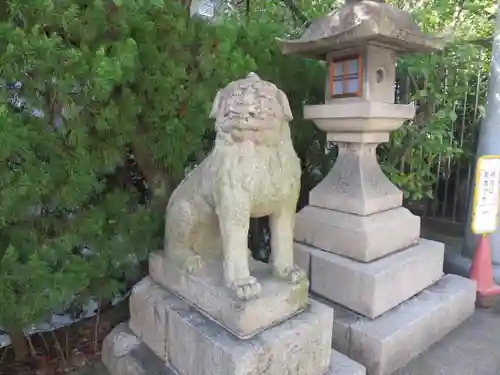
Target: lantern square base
<point>371,289</point>
<point>362,238</point>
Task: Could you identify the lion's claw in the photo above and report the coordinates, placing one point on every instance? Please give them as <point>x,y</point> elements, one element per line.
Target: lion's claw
<point>292,274</point>
<point>247,288</point>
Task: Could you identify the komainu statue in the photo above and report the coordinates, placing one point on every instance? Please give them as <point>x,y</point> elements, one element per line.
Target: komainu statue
<point>252,171</point>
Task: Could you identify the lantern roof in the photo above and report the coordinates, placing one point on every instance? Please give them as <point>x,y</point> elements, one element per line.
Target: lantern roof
<point>362,22</point>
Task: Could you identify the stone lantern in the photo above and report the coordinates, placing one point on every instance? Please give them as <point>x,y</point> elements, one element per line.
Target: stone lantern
<point>362,248</point>
<point>360,44</point>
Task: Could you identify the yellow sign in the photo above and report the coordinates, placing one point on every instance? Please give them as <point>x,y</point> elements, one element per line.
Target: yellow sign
<point>486,195</point>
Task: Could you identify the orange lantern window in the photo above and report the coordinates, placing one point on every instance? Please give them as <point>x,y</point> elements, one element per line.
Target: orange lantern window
<point>346,77</point>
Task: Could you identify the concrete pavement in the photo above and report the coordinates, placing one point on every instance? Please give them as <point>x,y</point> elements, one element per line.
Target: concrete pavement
<point>471,349</point>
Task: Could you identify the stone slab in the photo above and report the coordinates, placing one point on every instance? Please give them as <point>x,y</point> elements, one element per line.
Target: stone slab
<point>389,342</point>
<point>278,301</point>
<point>302,258</point>
<point>149,308</point>
<point>300,345</point>
<point>125,354</point>
<point>340,364</point>
<point>372,289</point>
<point>363,238</point>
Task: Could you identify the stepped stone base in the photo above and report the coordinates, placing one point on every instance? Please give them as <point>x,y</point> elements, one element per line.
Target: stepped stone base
<point>150,306</point>
<point>300,345</point>
<point>389,342</point>
<point>166,335</point>
<point>374,288</point>
<point>204,289</point>
<point>363,238</point>
<point>124,353</point>
<point>193,344</point>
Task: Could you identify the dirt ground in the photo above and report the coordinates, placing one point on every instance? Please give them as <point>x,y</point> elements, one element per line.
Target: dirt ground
<point>67,349</point>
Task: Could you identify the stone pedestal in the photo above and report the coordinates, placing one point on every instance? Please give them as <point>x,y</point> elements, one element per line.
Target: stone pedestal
<point>371,289</point>
<point>204,290</point>
<point>362,238</point>
<point>389,342</point>
<point>188,329</point>
<point>364,254</point>
<point>361,248</point>
<point>390,309</point>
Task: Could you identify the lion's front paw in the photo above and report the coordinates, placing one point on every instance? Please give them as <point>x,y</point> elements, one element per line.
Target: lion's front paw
<point>246,288</point>
<point>192,264</point>
<point>292,274</point>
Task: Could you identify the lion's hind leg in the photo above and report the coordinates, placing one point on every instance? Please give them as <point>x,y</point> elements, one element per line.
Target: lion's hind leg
<point>180,232</point>
<point>282,223</point>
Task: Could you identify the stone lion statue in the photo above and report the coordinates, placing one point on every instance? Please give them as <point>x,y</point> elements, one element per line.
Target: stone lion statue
<point>252,171</point>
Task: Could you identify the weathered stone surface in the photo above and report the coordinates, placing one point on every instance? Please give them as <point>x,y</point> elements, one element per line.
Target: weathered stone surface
<point>380,87</point>
<point>363,238</point>
<point>278,301</point>
<point>149,308</point>
<point>301,345</point>
<point>343,365</point>
<point>393,339</point>
<point>123,353</point>
<point>302,257</point>
<point>359,23</point>
<point>355,184</point>
<point>371,289</point>
<point>373,118</point>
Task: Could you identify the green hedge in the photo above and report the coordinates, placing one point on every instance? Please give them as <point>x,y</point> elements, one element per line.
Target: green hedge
<point>110,81</point>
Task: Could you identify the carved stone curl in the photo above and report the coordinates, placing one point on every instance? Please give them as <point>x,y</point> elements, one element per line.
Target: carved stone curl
<point>253,171</point>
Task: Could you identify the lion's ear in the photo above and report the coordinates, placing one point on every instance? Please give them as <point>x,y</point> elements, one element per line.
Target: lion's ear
<point>216,105</point>
<point>285,106</point>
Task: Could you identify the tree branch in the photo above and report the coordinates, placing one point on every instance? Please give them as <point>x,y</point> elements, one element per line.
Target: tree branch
<point>297,13</point>
<point>482,42</point>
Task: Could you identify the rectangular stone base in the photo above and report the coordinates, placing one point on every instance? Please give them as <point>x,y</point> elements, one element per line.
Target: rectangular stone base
<point>124,353</point>
<point>371,289</point>
<point>150,307</point>
<point>192,344</point>
<point>278,301</point>
<point>363,238</point>
<point>300,345</point>
<point>389,342</point>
